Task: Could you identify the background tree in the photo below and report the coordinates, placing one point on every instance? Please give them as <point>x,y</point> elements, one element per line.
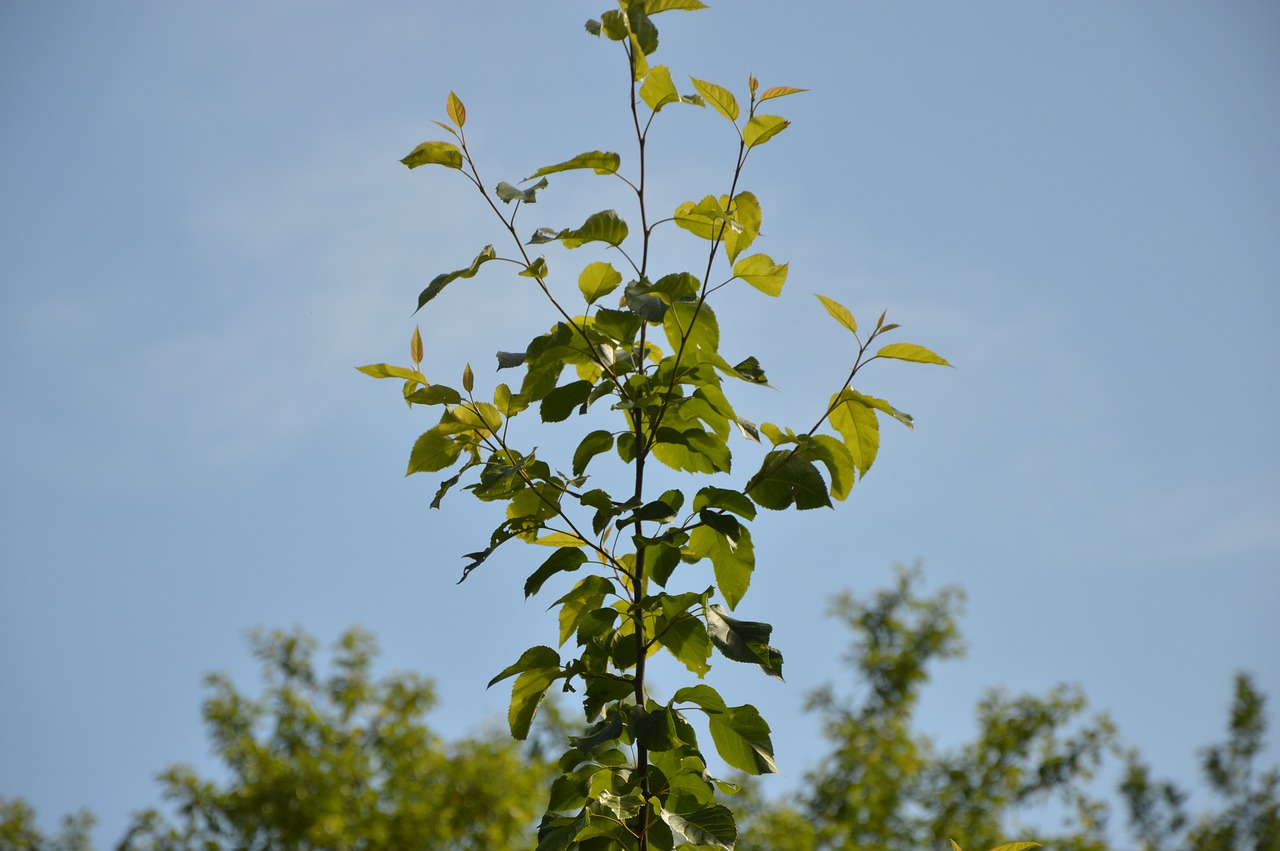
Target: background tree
<point>18,830</point>
<point>341,762</point>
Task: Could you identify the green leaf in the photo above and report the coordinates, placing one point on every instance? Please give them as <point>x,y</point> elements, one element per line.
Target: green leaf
<point>838,460</point>
<point>604,226</point>
<point>728,500</point>
<point>592,445</point>
<point>779,91</point>
<point>744,641</point>
<point>910,352</point>
<point>509,193</point>
<point>559,403</point>
<point>711,827</point>
<point>784,479</point>
<point>563,560</point>
<point>434,153</point>
<point>586,596</point>
<point>658,89</point>
<point>720,98</point>
<point>749,370</point>
<point>761,272</point>
<point>433,450</point>
<point>383,370</point>
<point>534,657</point>
<point>598,279</point>
<point>603,162</point>
<point>854,416</point>
<point>653,7</point>
<point>527,695</point>
<point>1013,846</point>
<point>702,695</point>
<point>705,218</point>
<point>882,405</point>
<point>733,562</point>
<point>696,326</point>
<point>839,312</point>
<point>742,740</point>
<point>439,282</point>
<point>747,217</point>
<point>686,638</point>
<point>762,128</point>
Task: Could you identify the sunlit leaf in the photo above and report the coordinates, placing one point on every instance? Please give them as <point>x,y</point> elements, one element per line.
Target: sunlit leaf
<point>839,312</point>
<point>384,370</point>
<point>733,562</point>
<point>434,153</point>
<point>719,97</point>
<point>742,739</point>
<point>779,91</point>
<point>854,417</point>
<point>602,162</point>
<point>434,450</point>
<point>562,560</point>
<point>457,112</point>
<point>604,226</point>
<point>658,90</point>
<point>598,279</point>
<point>653,7</point>
<point>761,272</point>
<point>592,445</point>
<point>910,352</point>
<point>762,128</point>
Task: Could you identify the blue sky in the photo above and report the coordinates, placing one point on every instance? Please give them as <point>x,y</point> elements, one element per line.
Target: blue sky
<point>206,228</point>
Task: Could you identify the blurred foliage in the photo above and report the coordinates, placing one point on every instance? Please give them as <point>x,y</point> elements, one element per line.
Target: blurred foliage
<point>343,762</point>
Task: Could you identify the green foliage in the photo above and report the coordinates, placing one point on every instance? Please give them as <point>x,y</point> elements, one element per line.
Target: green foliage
<point>340,762</point>
<point>651,364</point>
<point>886,786</point>
<point>18,830</point>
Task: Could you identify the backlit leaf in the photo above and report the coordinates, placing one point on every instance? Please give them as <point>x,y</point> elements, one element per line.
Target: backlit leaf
<point>719,97</point>
<point>604,226</point>
<point>434,153</point>
<point>733,563</point>
<point>457,112</point>
<point>653,7</point>
<point>598,279</point>
<point>762,128</point>
<point>779,91</point>
<point>602,162</point>
<point>658,90</point>
<point>839,312</point>
<point>761,272</point>
<point>383,370</point>
<point>434,450</point>
<point>742,739</point>
<point>855,418</point>
<point>910,352</point>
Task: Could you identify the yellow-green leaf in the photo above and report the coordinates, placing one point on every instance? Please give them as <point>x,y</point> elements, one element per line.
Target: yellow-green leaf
<point>658,89</point>
<point>746,216</point>
<point>457,112</point>
<point>780,91</point>
<point>415,346</point>
<point>910,352</point>
<point>385,370</point>
<point>560,539</point>
<point>761,272</point>
<point>468,378</point>
<point>598,279</point>
<point>762,128</point>
<point>839,312</point>
<point>1015,846</point>
<point>434,153</point>
<point>602,162</point>
<point>857,423</point>
<point>719,97</point>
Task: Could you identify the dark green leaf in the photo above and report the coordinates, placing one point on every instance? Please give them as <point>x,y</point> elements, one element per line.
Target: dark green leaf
<point>749,370</point>
<point>534,657</point>
<point>592,445</point>
<point>837,458</point>
<point>559,403</point>
<point>710,827</point>
<point>439,282</point>
<point>435,394</point>
<point>602,733</point>
<point>510,360</point>
<point>743,641</point>
<point>562,560</point>
<point>787,479</point>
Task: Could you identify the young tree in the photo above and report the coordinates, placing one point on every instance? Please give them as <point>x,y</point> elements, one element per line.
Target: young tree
<point>638,777</point>
<point>340,762</point>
